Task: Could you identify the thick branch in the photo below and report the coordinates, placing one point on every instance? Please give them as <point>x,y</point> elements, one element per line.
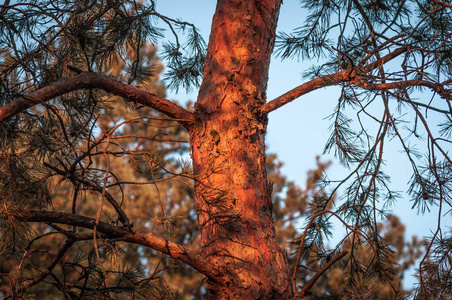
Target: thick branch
<point>87,80</point>
<point>145,239</point>
<point>327,80</point>
<point>305,88</point>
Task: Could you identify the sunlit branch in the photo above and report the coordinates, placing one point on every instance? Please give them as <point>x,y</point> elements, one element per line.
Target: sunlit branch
<point>305,88</point>
<point>86,80</point>
<point>437,87</point>
<point>138,237</point>
<point>142,182</point>
<point>328,80</point>
<point>149,138</point>
<point>444,4</point>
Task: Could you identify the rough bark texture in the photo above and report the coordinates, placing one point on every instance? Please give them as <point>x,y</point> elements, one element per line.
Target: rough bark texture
<point>93,80</point>
<point>232,194</point>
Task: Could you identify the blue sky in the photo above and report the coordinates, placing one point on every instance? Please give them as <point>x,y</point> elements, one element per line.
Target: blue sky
<point>298,131</point>
<point>295,131</point>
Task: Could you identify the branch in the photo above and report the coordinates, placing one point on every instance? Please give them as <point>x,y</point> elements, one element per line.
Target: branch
<point>141,238</point>
<point>437,87</point>
<point>86,80</point>
<point>49,269</point>
<point>444,4</point>
<point>73,176</point>
<point>327,80</point>
<point>305,88</point>
<point>312,281</point>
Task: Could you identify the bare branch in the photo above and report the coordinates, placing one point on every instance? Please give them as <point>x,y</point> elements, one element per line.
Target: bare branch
<point>437,87</point>
<point>328,265</point>
<point>122,215</point>
<point>305,88</point>
<point>145,239</point>
<point>49,269</point>
<point>327,80</point>
<point>442,3</point>
<point>86,80</point>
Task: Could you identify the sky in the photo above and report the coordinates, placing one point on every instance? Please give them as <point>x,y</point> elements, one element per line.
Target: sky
<point>297,132</point>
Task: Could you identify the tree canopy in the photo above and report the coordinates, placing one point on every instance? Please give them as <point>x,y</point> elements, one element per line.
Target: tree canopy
<point>104,182</point>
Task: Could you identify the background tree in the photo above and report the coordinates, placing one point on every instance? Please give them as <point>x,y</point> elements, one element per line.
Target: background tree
<point>53,134</point>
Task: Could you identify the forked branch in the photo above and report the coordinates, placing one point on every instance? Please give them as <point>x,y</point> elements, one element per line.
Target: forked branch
<point>357,77</point>
<point>49,269</point>
<point>437,87</point>
<point>87,80</point>
<point>141,238</point>
<point>92,184</point>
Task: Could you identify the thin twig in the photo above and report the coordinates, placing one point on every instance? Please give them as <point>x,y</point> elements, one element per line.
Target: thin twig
<point>319,273</point>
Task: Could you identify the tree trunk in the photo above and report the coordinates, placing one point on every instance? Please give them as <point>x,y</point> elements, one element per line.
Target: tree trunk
<point>233,198</point>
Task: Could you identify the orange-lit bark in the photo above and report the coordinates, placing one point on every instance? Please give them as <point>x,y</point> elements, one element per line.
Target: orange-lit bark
<point>93,80</point>
<point>232,194</point>
<point>240,253</point>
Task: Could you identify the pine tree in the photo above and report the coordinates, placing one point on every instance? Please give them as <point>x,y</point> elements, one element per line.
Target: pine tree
<point>64,128</point>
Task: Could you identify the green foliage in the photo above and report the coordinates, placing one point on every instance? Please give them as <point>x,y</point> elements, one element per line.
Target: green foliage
<point>91,154</point>
<point>76,152</point>
<point>349,35</point>
<point>435,273</point>
<point>51,35</point>
<point>186,61</point>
